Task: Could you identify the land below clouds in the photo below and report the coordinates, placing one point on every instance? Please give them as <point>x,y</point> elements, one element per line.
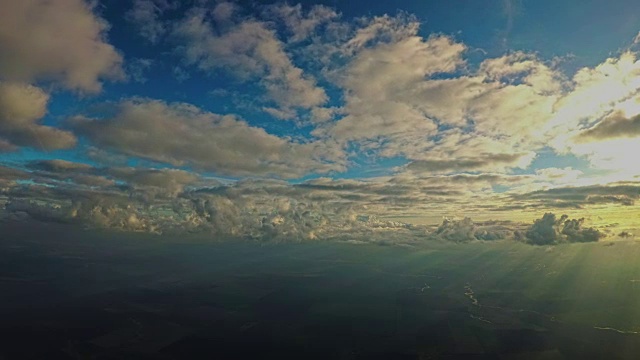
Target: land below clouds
<point>69,292</point>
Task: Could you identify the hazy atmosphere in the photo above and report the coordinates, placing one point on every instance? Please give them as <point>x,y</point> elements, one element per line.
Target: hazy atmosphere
<point>409,165</point>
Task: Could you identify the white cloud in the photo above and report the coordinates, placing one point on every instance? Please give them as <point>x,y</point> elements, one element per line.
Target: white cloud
<point>526,68</point>
<point>465,230</point>
<point>376,84</point>
<point>21,109</point>
<point>250,49</point>
<point>63,41</point>
<point>594,93</point>
<point>181,134</point>
<point>382,29</point>
<point>301,25</point>
<point>167,182</point>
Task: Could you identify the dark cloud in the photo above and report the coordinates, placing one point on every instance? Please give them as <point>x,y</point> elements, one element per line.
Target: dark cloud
<point>550,230</point>
<point>469,164</point>
<point>615,125</point>
<point>59,166</point>
<point>626,234</point>
<point>625,193</point>
<point>9,173</point>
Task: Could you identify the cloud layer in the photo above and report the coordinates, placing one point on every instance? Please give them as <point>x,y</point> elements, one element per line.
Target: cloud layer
<point>387,120</point>
<point>63,41</point>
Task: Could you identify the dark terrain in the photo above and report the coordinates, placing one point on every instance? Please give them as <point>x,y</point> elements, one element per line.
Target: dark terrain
<point>69,294</point>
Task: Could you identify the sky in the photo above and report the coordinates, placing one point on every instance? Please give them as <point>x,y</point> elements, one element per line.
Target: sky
<point>313,120</point>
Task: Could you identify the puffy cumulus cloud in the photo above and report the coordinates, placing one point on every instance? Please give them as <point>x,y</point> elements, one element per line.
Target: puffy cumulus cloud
<point>176,202</point>
<point>465,230</point>
<point>89,209</point>
<point>20,208</point>
<point>550,230</point>
<point>63,41</point>
<point>22,107</point>
<point>59,166</point>
<point>488,119</point>
<point>374,83</point>
<point>456,230</point>
<point>616,125</point>
<point>181,134</point>
<point>262,211</point>
<point>250,49</point>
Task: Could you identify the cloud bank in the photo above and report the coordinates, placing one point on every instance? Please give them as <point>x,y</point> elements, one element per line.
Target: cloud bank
<point>550,230</point>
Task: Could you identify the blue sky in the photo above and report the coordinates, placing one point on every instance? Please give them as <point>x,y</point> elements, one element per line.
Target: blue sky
<point>516,97</point>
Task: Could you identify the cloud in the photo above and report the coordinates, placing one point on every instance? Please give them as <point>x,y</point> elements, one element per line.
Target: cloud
<point>183,135</point>
<point>251,50</point>
<point>59,166</point>
<point>481,161</point>
<point>156,182</point>
<point>566,175</point>
<point>262,211</point>
<point>625,234</point>
<point>593,93</point>
<point>146,15</point>
<point>510,9</point>
<point>6,146</point>
<point>22,107</point>
<point>300,25</point>
<point>549,230</point>
<point>69,174</point>
<point>178,202</point>
<point>377,79</point>
<point>525,68</point>
<point>61,41</point>
<point>616,125</point>
<point>136,69</point>
<point>456,230</point>
<point>414,97</point>
<point>11,174</point>
<point>382,29</point>
<point>625,193</point>
<point>465,230</point>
